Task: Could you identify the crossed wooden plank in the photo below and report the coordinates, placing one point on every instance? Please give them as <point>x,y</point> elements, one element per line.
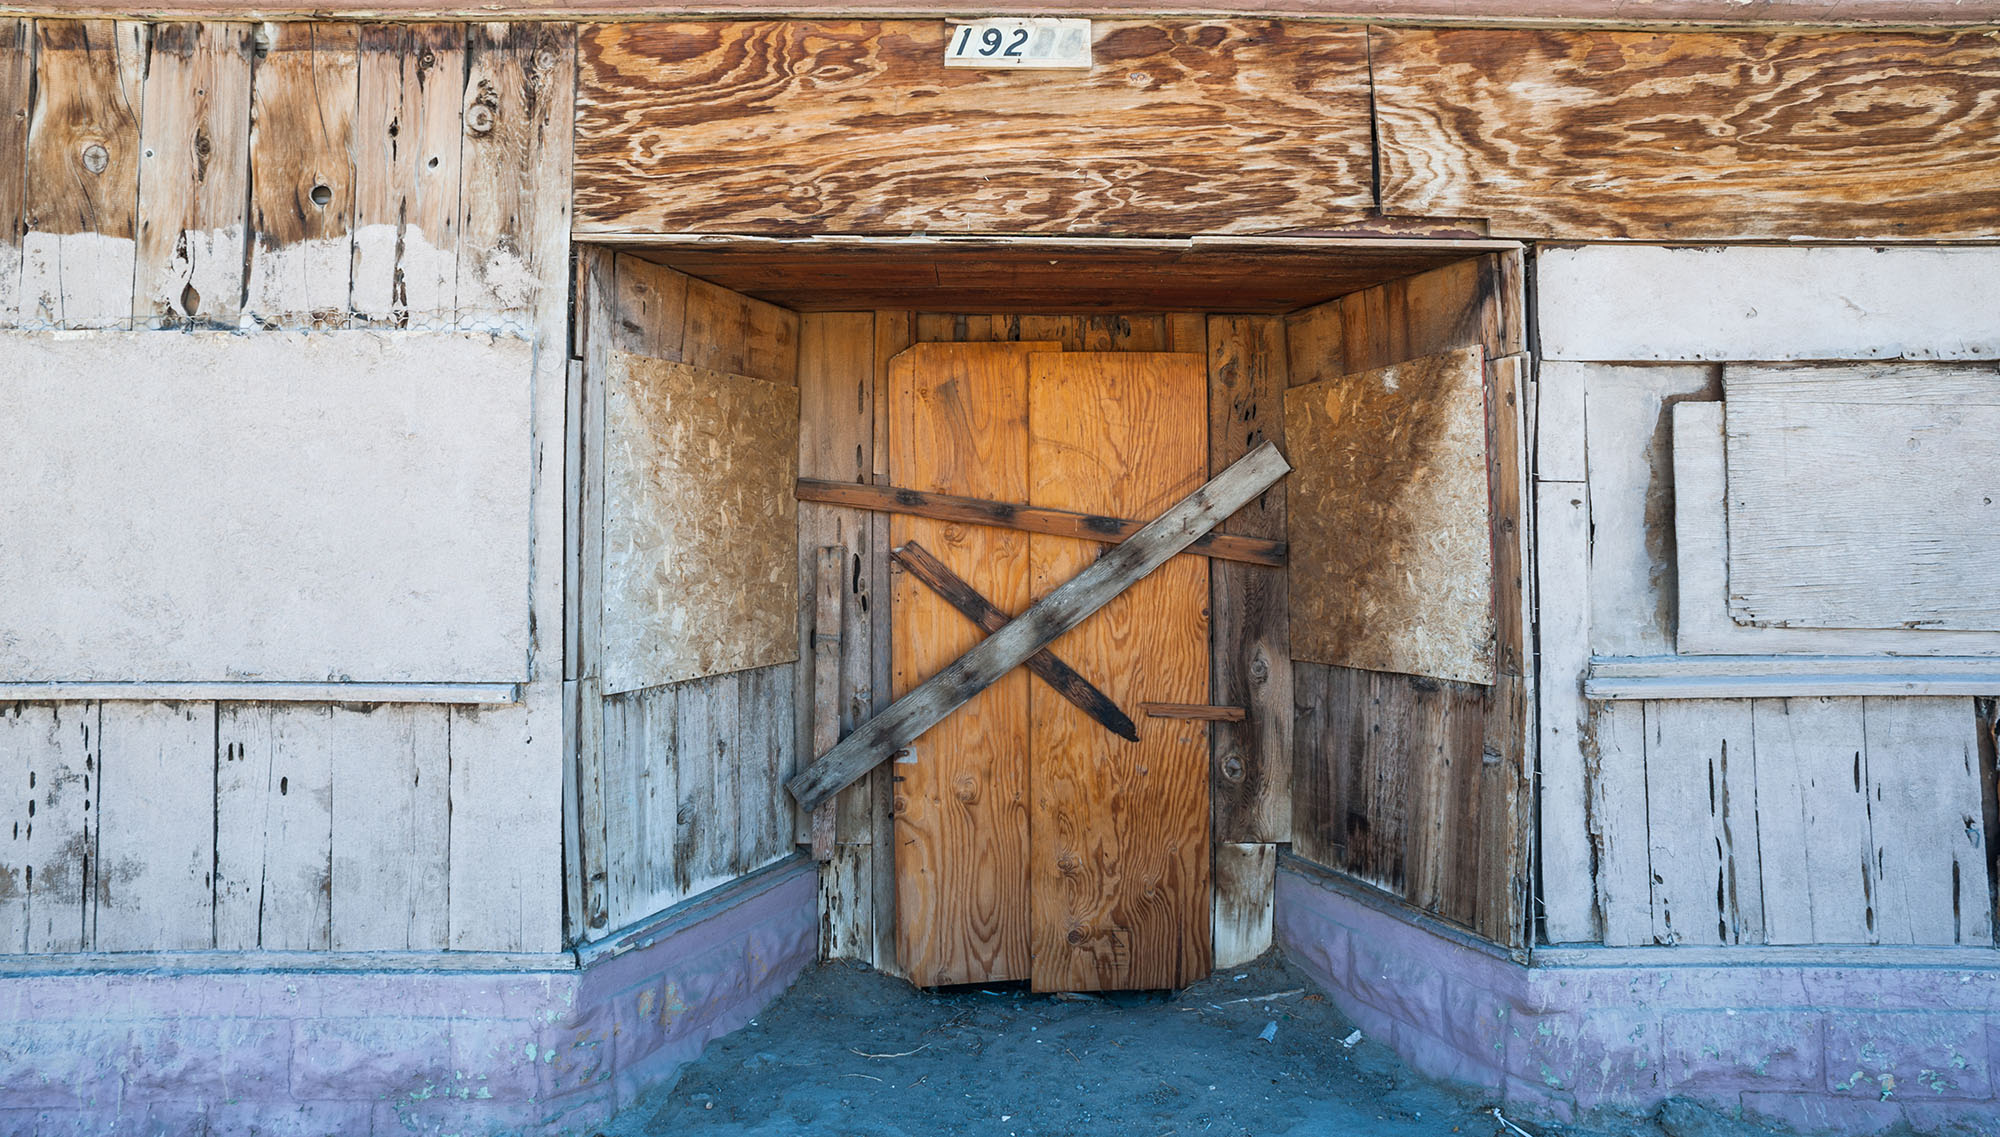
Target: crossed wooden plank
<point>1075,601</point>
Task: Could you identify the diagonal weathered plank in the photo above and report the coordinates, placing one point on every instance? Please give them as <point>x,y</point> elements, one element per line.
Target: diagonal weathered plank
<point>1059,675</point>
<point>1069,605</point>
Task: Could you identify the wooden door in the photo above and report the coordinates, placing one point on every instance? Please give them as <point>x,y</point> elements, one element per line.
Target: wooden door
<point>1031,843</point>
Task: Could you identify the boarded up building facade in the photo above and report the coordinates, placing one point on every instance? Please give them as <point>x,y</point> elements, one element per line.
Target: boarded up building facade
<point>458,474</point>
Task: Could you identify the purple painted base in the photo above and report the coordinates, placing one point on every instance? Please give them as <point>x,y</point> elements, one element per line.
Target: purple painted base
<point>395,1052</point>
<point>1848,1048</point>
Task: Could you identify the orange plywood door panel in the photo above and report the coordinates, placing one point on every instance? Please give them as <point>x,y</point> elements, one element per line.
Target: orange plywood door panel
<point>958,424</point>
<point>1119,868</point>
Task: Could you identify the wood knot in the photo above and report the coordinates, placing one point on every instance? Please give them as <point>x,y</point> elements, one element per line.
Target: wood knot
<point>965,789</point>
<point>96,158</point>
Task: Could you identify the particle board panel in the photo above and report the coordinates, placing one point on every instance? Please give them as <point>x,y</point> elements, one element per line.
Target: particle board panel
<point>252,506</point>
<point>958,422</point>
<point>81,195</point>
<point>407,157</point>
<point>1250,663</point>
<point>49,753</point>
<point>274,771</point>
<point>1926,818</point>
<point>1580,133</point>
<point>1813,821</point>
<point>156,828</point>
<point>194,176</point>
<point>1701,525</point>
<point>305,93</point>
<point>391,826</point>
<point>17,73</point>
<point>1390,521</point>
<point>515,153</point>
<point>1863,496</point>
<point>853,126</point>
<point>701,576</point>
<point>1120,865</point>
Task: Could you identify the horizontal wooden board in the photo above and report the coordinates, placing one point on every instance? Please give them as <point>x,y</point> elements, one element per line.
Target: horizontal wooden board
<point>701,572</point>
<point>985,275</point>
<point>1657,303</point>
<point>1690,136</point>
<point>1864,496</point>
<point>351,505</point>
<point>1391,559</point>
<point>1218,126</point>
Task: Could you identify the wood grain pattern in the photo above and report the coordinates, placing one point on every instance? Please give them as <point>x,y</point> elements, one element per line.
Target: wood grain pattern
<point>1863,496</point>
<point>958,423</point>
<point>1245,901</point>
<point>830,572</point>
<point>406,175</point>
<point>1601,134</point>
<point>792,127</point>
<point>700,576</point>
<point>1121,863</point>
<point>1390,520</point>
<point>1927,821</point>
<point>194,176</point>
<point>17,75</point>
<point>1812,821</point>
<point>305,94</point>
<point>515,153</point>
<point>1701,810</point>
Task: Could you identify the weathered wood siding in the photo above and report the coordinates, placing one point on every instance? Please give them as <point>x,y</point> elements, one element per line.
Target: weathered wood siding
<point>1417,785</point>
<point>296,177</point>
<point>1216,126</point>
<point>1673,136</point>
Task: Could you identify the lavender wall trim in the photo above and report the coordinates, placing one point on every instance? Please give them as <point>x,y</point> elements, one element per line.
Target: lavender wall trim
<point>1820,1047</point>
<point>310,1052</point>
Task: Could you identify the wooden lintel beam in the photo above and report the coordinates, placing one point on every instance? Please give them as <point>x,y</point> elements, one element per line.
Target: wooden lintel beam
<point>1122,566</point>
<point>1204,711</point>
<point>1026,518</point>
<point>1065,680</point>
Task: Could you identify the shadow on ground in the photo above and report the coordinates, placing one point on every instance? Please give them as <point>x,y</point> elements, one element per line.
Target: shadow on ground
<point>849,1052</point>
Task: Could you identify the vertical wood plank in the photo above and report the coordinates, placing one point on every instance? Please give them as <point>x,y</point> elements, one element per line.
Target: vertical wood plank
<point>515,159</point>
<point>274,826</point>
<point>81,196</point>
<point>1702,821</point>
<point>406,175</point>
<point>595,333</point>
<point>705,747</point>
<point>1813,830</point>
<point>506,843</point>
<point>391,829</point>
<point>194,176</point>
<point>894,331</point>
<point>1498,841</point>
<point>1562,558</point>
<point>304,93</point>
<point>1615,747</point>
<point>829,588</point>
<point>153,886</point>
<point>1927,820</point>
<point>49,755</point>
<point>626,793</point>
<point>1245,882</point>
<point>1315,788</point>
<point>1251,655</point>
<point>728,331</point>
<point>764,759</point>
<point>17,73</point>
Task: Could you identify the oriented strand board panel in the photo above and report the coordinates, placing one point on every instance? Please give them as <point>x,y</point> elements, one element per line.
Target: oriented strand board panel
<point>1668,136</point>
<point>1864,496</point>
<point>701,573</point>
<point>1648,303</point>
<point>1391,558</point>
<point>349,506</point>
<point>1217,126</point>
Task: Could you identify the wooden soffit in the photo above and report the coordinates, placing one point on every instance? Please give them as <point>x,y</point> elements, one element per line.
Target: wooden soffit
<point>855,126</point>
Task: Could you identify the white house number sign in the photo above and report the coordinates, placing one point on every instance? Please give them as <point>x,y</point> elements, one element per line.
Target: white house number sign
<point>1029,42</point>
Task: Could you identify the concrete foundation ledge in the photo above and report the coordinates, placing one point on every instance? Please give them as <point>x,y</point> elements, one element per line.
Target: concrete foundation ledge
<point>203,1044</point>
<point>1847,1041</point>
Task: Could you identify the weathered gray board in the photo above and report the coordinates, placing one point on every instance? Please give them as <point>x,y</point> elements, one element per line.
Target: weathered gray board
<point>700,563</point>
<point>1701,543</point>
<point>1864,495</point>
<point>344,506</point>
<point>1391,545</point>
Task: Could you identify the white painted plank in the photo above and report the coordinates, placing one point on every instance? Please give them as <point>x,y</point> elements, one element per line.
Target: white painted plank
<point>1645,302</point>
<point>1864,496</point>
<point>77,280</point>
<point>391,829</point>
<point>1245,883</point>
<point>1559,433</point>
<point>1927,822</point>
<point>1684,678</point>
<point>1701,805</point>
<point>1700,533</point>
<point>1618,823</point>
<point>274,826</point>
<point>1562,556</point>
<point>506,821</point>
<point>156,828</point>
<point>272,507</point>
<point>49,756</point>
<point>1813,821</point>
<point>247,692</point>
<point>1631,503</point>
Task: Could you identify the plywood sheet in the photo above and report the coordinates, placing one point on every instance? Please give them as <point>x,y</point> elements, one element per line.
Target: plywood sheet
<point>349,506</point>
<point>701,575</point>
<point>1121,866</point>
<point>1214,126</point>
<point>1864,496</point>
<point>1604,134</point>
<point>1391,558</point>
